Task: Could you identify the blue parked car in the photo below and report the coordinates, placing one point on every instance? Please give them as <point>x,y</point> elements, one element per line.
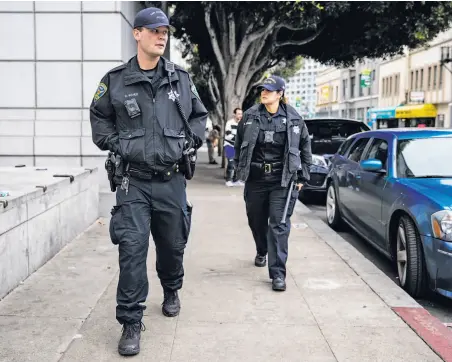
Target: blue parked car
<point>394,188</point>
<point>327,135</point>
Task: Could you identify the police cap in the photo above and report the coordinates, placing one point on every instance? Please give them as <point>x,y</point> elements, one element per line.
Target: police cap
<point>151,18</point>
<point>273,83</point>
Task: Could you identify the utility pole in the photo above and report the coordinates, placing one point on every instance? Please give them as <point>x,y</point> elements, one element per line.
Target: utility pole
<point>446,57</point>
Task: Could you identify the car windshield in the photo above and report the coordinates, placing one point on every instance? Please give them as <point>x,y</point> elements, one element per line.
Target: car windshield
<point>424,157</point>
<point>328,135</point>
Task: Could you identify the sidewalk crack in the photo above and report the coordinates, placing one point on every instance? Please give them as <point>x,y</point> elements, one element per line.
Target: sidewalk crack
<point>313,316</point>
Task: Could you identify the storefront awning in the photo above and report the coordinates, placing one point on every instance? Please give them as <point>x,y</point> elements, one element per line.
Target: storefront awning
<point>381,113</point>
<point>416,111</point>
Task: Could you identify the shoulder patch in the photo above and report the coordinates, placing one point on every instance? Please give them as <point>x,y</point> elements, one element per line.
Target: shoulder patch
<point>101,90</point>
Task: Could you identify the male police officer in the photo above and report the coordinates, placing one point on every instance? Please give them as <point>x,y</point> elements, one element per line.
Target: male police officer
<point>138,114</point>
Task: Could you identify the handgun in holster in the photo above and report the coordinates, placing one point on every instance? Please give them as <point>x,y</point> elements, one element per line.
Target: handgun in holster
<point>114,167</point>
<point>189,156</point>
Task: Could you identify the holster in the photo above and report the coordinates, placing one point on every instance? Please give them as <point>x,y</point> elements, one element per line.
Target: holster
<point>188,162</point>
<point>114,167</point>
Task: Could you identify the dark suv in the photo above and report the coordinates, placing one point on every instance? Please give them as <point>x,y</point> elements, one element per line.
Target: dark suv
<point>327,135</point>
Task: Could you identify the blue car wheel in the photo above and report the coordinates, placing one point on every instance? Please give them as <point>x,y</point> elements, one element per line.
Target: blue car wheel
<point>410,258</point>
<point>333,214</point>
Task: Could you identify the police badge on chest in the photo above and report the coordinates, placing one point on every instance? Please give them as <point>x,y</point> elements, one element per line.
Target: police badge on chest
<point>269,136</point>
<point>132,107</point>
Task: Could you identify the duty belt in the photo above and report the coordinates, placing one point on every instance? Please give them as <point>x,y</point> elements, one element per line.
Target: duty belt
<point>268,167</point>
<point>147,174</point>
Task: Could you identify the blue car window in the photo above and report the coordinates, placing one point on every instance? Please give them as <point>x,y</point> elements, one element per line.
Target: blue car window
<point>357,149</point>
<point>379,151</point>
<point>345,146</point>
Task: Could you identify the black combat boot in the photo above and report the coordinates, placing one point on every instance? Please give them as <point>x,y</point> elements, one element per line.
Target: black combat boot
<point>260,260</point>
<point>129,344</point>
<point>171,303</point>
<point>279,284</point>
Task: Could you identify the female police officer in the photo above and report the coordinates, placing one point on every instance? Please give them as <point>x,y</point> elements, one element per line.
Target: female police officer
<point>272,148</point>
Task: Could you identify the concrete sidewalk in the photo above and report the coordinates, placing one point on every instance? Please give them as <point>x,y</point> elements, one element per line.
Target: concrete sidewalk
<point>66,310</point>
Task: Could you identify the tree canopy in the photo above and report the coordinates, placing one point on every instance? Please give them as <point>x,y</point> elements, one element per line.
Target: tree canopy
<point>236,42</point>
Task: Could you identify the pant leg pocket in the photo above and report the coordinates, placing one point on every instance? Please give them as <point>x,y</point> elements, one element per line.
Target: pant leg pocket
<point>186,220</point>
<point>115,218</point>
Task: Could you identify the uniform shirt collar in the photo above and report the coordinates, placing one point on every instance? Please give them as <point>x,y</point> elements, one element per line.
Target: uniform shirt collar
<point>279,112</point>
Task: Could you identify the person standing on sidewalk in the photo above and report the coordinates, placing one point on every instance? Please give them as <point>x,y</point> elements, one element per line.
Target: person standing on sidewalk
<point>272,148</point>
<point>144,111</point>
<point>212,142</point>
<point>230,133</point>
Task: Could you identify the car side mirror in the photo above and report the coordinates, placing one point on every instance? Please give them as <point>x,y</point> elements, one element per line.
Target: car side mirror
<point>372,165</point>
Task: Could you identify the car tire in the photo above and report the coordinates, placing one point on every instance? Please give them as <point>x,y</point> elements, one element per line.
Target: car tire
<point>410,260</point>
<point>333,214</point>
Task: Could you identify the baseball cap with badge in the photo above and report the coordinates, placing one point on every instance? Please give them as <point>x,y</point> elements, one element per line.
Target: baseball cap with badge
<point>273,83</point>
<point>151,18</point>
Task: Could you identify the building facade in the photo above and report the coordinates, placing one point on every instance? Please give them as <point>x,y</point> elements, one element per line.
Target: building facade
<point>415,88</point>
<point>328,96</point>
<point>301,88</point>
<point>348,92</point>
<point>53,55</point>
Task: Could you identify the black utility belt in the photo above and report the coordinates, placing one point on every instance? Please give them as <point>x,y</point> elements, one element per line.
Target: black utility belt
<point>268,167</point>
<point>150,174</point>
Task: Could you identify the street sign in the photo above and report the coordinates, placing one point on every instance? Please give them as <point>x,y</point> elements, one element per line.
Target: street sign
<point>365,78</point>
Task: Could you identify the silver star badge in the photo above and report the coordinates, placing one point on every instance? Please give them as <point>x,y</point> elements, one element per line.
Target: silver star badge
<point>173,95</point>
<point>296,130</point>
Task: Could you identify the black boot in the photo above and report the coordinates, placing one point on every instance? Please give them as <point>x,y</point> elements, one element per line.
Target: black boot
<point>279,284</point>
<point>260,260</point>
<point>171,303</point>
<point>129,344</point>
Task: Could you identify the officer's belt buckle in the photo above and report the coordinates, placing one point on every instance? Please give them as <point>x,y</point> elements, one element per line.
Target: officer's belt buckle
<point>267,167</point>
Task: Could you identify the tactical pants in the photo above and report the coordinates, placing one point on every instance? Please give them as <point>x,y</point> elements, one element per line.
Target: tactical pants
<point>157,207</point>
<point>265,204</point>
<point>230,174</point>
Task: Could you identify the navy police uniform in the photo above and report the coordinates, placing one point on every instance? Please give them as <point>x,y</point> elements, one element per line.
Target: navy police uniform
<point>271,150</point>
<point>135,114</point>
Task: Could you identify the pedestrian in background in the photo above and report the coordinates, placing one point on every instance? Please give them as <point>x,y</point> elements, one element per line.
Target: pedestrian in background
<point>272,148</point>
<point>212,142</point>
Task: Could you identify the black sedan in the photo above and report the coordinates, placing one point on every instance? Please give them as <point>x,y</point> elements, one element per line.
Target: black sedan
<point>327,135</point>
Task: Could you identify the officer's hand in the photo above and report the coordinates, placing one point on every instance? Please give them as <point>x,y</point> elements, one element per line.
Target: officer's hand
<point>299,186</point>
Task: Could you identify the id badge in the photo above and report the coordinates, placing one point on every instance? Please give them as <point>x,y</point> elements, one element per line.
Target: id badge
<point>269,136</point>
<point>132,107</point>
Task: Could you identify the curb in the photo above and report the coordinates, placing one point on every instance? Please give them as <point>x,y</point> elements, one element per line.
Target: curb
<point>434,333</point>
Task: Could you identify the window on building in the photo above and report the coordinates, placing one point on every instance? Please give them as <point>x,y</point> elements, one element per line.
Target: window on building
<point>429,77</point>
<point>396,85</point>
<point>344,88</point>
<point>435,68</point>
<point>383,89</point>
<point>360,115</point>
<point>417,80</point>
<point>361,89</point>
<point>422,80</point>
<point>440,78</point>
<point>412,80</point>
<point>390,86</point>
<point>352,87</point>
